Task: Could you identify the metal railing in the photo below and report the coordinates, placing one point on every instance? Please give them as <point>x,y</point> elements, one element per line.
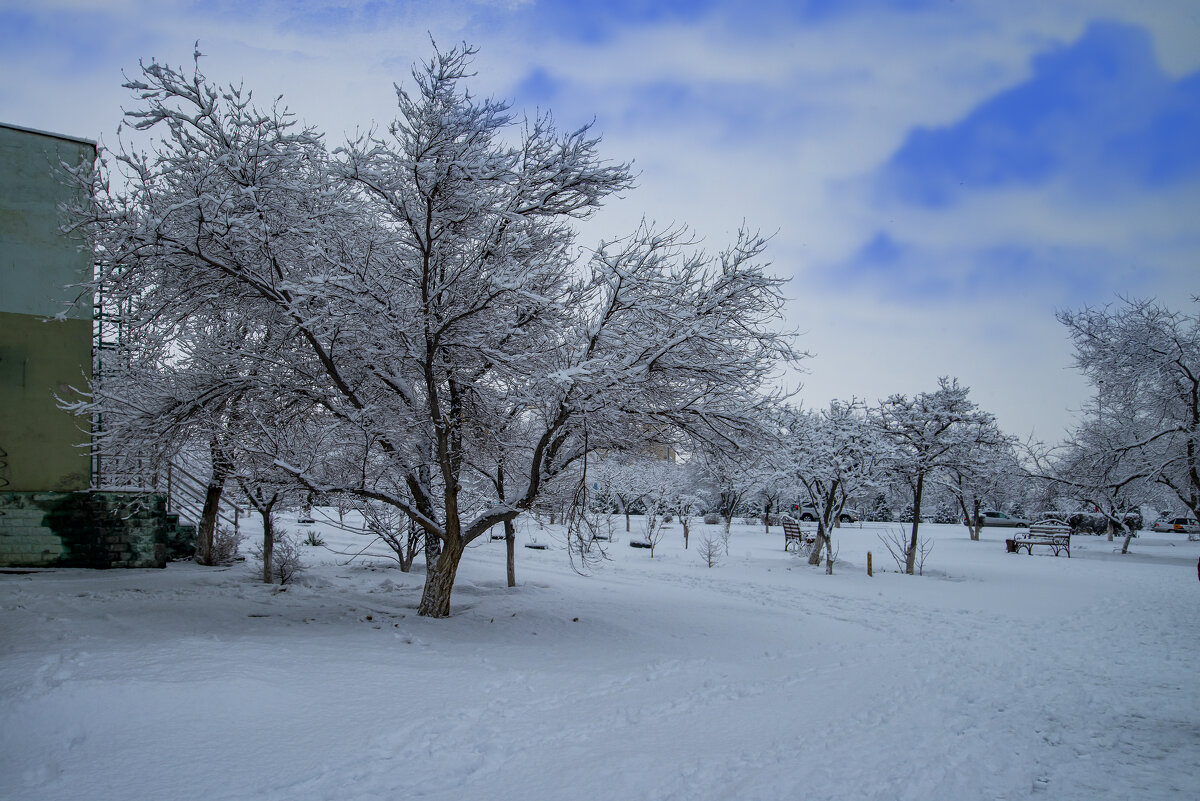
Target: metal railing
<point>180,481</point>
<point>186,494</point>
<point>183,489</point>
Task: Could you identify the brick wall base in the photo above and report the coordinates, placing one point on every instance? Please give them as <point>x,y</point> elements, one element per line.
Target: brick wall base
<point>89,529</point>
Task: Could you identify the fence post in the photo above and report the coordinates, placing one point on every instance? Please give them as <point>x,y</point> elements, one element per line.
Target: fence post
<point>869,571</point>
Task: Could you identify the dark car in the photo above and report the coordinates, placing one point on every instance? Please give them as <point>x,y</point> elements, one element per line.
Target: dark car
<point>809,514</point>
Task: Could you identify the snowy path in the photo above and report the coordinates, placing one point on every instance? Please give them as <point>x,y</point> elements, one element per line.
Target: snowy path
<point>996,676</point>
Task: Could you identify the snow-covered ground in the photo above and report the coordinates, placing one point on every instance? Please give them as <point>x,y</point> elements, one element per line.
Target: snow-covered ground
<point>993,676</point>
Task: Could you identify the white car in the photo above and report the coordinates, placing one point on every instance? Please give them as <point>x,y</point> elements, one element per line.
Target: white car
<point>999,519</point>
<point>1180,525</point>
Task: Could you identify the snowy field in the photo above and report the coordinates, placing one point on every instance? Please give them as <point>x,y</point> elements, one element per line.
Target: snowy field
<point>993,676</point>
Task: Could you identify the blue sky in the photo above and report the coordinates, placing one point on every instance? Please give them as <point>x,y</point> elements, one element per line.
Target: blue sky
<point>940,176</point>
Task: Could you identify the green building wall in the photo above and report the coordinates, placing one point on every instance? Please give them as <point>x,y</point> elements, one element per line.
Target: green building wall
<point>40,357</point>
<point>48,516</point>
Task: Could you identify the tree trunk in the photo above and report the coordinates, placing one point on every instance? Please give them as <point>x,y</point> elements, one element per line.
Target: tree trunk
<point>1128,534</point>
<point>814,558</point>
<point>825,521</point>
<point>208,523</point>
<point>685,534</point>
<point>268,546</point>
<point>910,559</point>
<point>439,579</point>
<point>409,552</point>
<point>1125,544</point>
<point>510,548</point>
<point>212,505</point>
<point>433,549</point>
<point>971,518</point>
<point>510,531</point>
<point>968,521</point>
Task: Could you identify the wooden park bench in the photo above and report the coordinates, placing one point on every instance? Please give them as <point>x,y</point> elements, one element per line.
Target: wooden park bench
<point>1051,533</point>
<point>794,536</point>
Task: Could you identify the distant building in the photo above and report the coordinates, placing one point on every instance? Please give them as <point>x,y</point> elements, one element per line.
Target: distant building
<point>49,513</point>
<point>40,356</point>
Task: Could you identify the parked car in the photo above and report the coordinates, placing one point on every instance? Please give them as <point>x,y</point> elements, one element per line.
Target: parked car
<point>1181,525</point>
<point>1000,520</point>
<point>808,514</point>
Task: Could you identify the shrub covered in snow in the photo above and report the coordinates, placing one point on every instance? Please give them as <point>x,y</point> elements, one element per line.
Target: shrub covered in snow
<point>225,546</point>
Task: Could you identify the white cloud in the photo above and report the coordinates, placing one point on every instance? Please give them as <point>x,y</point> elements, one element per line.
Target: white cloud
<point>819,109</point>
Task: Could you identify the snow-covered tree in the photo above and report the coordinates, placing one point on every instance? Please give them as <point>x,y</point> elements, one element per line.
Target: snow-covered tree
<point>1097,471</point>
<point>688,496</point>
<point>662,483</point>
<point>422,287</point>
<point>927,434</point>
<point>730,477</point>
<point>161,390</point>
<point>618,477</point>
<point>265,487</point>
<point>835,453</point>
<point>880,509</point>
<point>710,549</point>
<point>1143,361</point>
<point>774,486</point>
<point>987,472</point>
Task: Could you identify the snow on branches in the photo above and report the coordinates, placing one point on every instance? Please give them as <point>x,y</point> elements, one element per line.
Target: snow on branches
<point>1141,427</point>
<point>414,301</point>
<point>929,433</point>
